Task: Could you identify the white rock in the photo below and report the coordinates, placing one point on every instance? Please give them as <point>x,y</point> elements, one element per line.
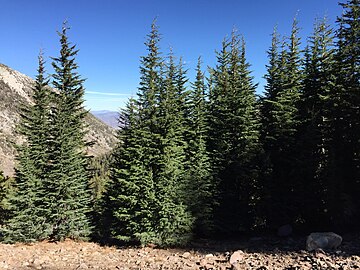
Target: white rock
<point>186,255</point>
<point>236,257</point>
<point>323,240</point>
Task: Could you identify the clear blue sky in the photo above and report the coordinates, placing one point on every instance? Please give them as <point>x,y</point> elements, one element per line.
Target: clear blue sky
<point>110,35</point>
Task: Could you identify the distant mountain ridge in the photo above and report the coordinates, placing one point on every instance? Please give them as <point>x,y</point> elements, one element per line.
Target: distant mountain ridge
<point>108,117</point>
<point>16,89</point>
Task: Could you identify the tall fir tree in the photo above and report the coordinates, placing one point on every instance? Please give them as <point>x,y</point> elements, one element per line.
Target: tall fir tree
<point>131,193</point>
<point>175,221</point>
<point>314,146</point>
<point>66,185</point>
<point>269,105</point>
<point>280,110</point>
<point>201,185</point>
<point>151,160</point>
<point>137,156</point>
<point>28,221</point>
<point>235,143</point>
<point>218,91</point>
<point>345,172</point>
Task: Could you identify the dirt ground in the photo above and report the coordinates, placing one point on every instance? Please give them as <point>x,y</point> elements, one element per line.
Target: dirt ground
<point>259,253</point>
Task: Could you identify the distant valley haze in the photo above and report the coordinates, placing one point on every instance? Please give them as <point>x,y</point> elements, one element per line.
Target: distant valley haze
<point>108,117</point>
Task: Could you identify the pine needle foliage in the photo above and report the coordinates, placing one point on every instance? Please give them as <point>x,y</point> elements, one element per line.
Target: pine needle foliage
<point>234,137</point>
<point>201,189</point>
<point>280,117</point>
<point>316,132</point>
<point>345,170</point>
<point>148,179</point>
<point>27,221</point>
<point>66,184</point>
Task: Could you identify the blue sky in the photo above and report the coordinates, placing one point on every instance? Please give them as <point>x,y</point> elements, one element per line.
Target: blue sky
<point>110,35</point>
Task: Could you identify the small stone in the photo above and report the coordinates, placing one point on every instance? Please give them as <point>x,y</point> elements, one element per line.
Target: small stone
<point>330,265</point>
<point>37,262</point>
<point>203,262</point>
<point>186,255</point>
<point>236,257</point>
<point>238,266</point>
<point>82,266</point>
<point>209,255</point>
<point>3,265</point>
<point>209,267</point>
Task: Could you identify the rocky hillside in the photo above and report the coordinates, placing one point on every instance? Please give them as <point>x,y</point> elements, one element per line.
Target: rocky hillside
<point>108,117</point>
<point>15,89</point>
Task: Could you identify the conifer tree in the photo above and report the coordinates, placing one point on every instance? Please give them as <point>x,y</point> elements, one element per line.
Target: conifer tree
<point>6,189</point>
<point>234,131</point>
<point>175,221</point>
<point>315,110</point>
<point>66,185</point>
<point>345,169</point>
<point>281,121</point>
<point>219,82</point>
<point>136,160</point>
<point>182,95</point>
<point>201,189</point>
<point>148,174</point>
<point>99,170</point>
<point>28,222</point>
<point>131,191</point>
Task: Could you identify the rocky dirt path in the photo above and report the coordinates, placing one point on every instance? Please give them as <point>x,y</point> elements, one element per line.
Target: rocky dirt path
<point>257,254</point>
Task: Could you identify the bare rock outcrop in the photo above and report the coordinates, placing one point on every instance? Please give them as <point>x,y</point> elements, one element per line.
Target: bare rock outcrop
<point>15,90</point>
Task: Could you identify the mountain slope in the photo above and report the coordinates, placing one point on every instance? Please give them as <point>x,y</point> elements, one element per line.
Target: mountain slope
<point>108,117</point>
<point>16,89</point>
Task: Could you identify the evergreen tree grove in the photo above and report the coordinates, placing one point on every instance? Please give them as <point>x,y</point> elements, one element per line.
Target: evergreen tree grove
<point>196,158</point>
